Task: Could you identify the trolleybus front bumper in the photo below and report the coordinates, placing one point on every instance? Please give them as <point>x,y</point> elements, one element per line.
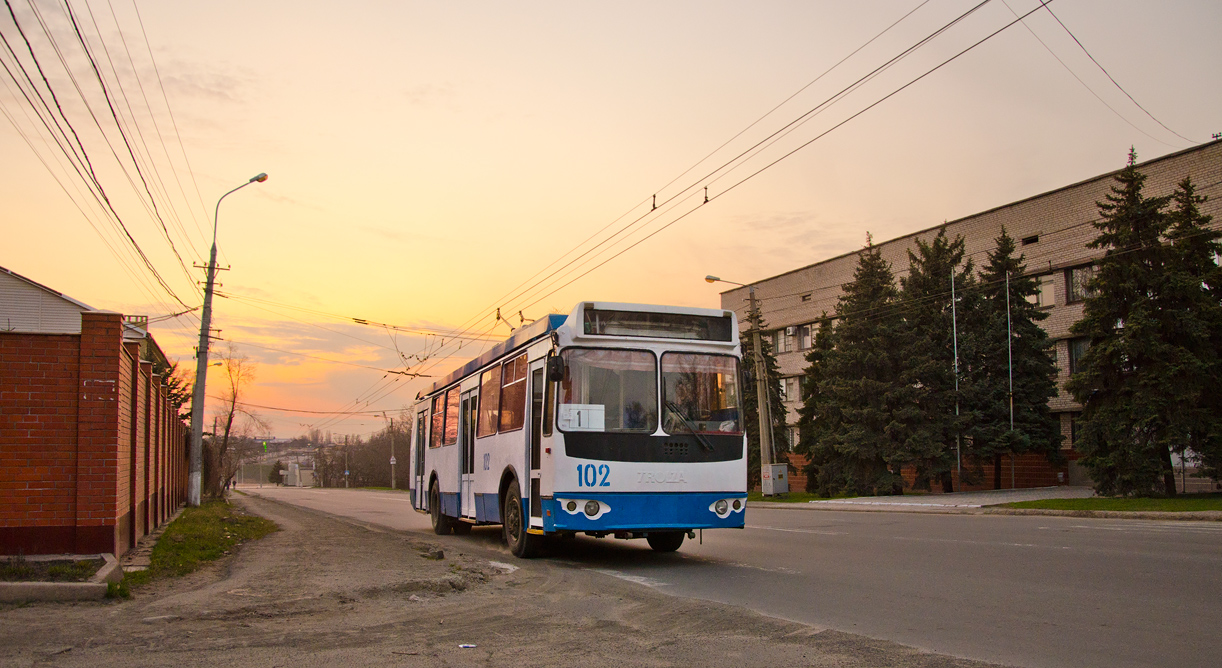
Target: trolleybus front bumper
<point>632,511</point>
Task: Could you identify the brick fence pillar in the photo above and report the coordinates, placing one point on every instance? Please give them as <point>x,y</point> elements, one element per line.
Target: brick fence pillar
<point>100,461</point>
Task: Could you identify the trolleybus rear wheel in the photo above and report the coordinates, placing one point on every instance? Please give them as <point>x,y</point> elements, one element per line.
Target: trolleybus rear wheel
<point>441,523</point>
<point>521,543</point>
<point>665,541</point>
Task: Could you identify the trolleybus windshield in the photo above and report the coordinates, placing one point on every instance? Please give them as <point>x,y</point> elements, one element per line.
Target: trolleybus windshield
<point>608,391</point>
<point>700,394</point>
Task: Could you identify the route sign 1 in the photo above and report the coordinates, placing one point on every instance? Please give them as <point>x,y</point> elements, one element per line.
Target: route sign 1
<point>392,461</point>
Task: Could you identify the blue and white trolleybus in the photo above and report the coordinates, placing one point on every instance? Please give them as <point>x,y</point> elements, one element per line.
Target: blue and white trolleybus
<point>617,419</point>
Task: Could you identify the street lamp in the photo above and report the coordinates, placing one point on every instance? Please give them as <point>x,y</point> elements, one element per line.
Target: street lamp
<point>201,362</point>
<point>769,483</point>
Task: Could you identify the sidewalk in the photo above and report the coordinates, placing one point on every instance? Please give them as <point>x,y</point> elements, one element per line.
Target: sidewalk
<point>934,503</point>
<point>991,497</point>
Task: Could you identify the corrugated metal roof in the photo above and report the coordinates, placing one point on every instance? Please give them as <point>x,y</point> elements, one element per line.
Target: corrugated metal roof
<point>29,306</point>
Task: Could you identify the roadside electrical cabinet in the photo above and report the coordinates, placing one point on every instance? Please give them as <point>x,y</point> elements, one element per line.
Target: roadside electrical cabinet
<point>775,480</point>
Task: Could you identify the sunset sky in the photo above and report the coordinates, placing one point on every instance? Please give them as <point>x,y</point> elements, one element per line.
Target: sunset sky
<point>426,158</point>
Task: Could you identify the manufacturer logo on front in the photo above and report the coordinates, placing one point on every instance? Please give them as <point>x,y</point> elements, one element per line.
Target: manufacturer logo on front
<point>645,477</point>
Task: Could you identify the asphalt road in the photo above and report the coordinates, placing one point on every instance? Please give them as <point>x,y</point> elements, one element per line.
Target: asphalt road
<point>1020,590</point>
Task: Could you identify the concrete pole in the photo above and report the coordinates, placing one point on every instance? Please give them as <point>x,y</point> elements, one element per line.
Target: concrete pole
<point>194,478</point>
<point>392,454</point>
<point>761,393</point>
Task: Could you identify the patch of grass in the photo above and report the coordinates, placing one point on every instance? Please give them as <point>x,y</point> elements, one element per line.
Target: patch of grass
<point>199,535</point>
<point>795,497</point>
<point>62,570</point>
<point>1179,504</point>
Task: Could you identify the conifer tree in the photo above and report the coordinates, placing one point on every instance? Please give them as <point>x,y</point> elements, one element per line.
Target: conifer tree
<point>750,412</point>
<point>810,423</point>
<point>1136,379</point>
<point>1001,348</point>
<point>926,297</point>
<point>867,408</point>
<point>1195,287</point>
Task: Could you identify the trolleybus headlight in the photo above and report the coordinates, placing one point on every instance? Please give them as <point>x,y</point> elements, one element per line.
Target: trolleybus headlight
<point>591,508</point>
<point>571,506</point>
<point>721,507</point>
<point>737,504</point>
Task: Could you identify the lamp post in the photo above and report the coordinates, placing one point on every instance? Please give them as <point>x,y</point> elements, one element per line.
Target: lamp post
<point>201,362</point>
<point>761,396</point>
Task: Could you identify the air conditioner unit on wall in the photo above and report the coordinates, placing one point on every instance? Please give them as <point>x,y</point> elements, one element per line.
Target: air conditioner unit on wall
<point>790,331</point>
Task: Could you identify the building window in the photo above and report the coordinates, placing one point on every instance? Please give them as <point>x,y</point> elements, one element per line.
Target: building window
<point>1045,295</point>
<point>806,297</point>
<point>794,437</point>
<point>1033,239</point>
<point>1077,284</point>
<point>1077,350</point>
<point>1075,422</point>
<point>804,337</point>
<point>791,388</point>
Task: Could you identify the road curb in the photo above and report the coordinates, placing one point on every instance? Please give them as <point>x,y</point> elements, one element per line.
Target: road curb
<point>1194,516</point>
<point>94,590</point>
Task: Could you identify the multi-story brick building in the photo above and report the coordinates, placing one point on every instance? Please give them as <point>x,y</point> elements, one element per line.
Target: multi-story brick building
<point>92,453</point>
<point>1051,230</point>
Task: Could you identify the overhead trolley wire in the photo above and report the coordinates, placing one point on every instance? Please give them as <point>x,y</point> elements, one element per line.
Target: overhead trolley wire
<point>505,299</point>
<point>1044,5</point>
<point>804,144</point>
<point>1079,79</point>
<point>691,189</point>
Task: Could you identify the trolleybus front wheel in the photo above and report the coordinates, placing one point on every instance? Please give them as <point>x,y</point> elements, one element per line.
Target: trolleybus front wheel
<point>441,523</point>
<point>665,541</point>
<point>521,543</point>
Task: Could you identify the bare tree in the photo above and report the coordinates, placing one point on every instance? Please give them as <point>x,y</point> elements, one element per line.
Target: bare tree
<point>239,373</point>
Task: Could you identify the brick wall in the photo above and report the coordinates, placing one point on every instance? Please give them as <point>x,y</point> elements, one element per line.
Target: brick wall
<point>81,423</point>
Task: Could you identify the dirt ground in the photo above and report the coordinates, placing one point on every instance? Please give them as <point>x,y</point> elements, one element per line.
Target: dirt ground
<point>325,592</point>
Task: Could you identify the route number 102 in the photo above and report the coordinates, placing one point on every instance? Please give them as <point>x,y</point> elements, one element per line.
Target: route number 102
<point>589,476</point>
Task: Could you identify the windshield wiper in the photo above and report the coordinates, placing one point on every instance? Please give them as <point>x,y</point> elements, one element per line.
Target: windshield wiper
<point>674,408</point>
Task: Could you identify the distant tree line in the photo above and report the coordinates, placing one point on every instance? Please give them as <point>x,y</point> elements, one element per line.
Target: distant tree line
<point>367,460</point>
<point>903,376</point>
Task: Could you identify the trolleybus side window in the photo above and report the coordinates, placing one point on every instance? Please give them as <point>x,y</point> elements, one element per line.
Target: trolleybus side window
<point>513,394</point>
<point>700,393</point>
<point>609,391</point>
<point>452,411</point>
<point>549,403</point>
<point>490,401</point>
<point>439,421</point>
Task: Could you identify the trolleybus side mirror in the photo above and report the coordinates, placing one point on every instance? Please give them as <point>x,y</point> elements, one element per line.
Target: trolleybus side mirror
<point>555,369</point>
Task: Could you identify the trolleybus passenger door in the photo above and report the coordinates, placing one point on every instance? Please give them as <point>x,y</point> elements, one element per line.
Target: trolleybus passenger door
<point>470,405</point>
<point>419,493</point>
<point>536,441</point>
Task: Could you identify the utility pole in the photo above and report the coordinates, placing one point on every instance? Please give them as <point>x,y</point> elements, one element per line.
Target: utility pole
<point>768,482</point>
<point>392,452</point>
<point>761,388</point>
<point>954,327</point>
<point>1010,364</point>
<point>194,478</point>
